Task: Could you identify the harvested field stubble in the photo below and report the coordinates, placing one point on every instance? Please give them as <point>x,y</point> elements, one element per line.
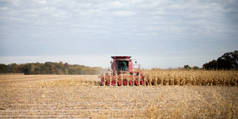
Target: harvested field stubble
<point>66,96</point>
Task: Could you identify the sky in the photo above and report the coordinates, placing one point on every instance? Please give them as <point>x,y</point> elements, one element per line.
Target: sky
<point>156,33</point>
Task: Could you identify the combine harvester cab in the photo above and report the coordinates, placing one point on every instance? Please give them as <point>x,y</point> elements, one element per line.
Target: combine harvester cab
<point>122,73</point>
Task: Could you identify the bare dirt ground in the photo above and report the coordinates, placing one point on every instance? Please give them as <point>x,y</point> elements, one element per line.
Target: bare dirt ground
<point>75,96</point>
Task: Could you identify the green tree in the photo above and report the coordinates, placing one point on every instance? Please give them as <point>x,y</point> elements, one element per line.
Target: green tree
<point>3,68</point>
<point>48,68</point>
<point>195,67</point>
<point>186,67</point>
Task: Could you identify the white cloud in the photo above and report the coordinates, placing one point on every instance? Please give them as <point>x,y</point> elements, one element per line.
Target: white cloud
<point>3,8</point>
<point>41,1</point>
<point>117,4</point>
<point>124,13</point>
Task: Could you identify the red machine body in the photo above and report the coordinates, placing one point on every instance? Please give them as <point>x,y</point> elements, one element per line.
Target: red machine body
<point>121,64</point>
<point>122,73</point>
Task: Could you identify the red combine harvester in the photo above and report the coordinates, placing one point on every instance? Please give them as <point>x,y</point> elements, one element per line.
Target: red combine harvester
<point>122,73</point>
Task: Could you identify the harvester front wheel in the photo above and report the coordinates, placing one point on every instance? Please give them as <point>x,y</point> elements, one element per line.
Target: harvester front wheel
<point>102,82</point>
<point>119,82</point>
<point>130,82</point>
<point>108,83</point>
<point>125,82</point>
<point>141,82</point>
<point>136,83</point>
<point>113,82</point>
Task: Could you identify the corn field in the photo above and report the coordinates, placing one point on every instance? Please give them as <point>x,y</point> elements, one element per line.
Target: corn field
<point>172,77</point>
<point>191,77</point>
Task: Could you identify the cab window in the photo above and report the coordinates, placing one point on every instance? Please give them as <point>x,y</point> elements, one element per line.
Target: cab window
<point>122,65</point>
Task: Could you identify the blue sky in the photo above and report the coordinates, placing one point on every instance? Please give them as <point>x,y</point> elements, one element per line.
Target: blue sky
<point>158,33</point>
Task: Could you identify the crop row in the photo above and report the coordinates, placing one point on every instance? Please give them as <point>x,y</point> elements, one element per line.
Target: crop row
<point>174,77</point>
<point>191,77</point>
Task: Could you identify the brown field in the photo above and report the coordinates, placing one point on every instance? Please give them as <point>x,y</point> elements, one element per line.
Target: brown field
<point>80,96</point>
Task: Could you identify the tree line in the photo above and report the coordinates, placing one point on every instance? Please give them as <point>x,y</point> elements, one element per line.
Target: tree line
<point>49,68</point>
<point>228,61</point>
